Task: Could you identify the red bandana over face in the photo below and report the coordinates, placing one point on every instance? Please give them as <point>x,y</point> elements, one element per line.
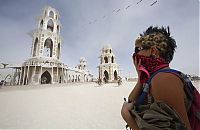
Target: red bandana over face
<point>149,65</point>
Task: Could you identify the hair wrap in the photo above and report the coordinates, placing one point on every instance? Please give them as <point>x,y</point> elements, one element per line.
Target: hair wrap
<point>156,39</point>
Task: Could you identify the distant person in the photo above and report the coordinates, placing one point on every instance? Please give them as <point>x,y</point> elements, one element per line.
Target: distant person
<point>99,81</point>
<point>105,80</point>
<point>1,83</point>
<point>159,89</point>
<point>119,80</point>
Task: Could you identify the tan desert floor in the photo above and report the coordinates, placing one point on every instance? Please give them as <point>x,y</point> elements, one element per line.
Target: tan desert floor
<point>64,106</point>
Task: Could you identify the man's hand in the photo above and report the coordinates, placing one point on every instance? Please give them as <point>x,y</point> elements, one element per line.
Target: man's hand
<point>129,106</point>
<point>137,64</point>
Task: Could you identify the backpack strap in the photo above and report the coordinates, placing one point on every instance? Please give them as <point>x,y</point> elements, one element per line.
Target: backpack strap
<point>147,85</point>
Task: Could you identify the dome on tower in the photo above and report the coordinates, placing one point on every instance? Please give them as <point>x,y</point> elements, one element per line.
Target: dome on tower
<point>82,59</point>
<point>51,12</point>
<point>107,47</point>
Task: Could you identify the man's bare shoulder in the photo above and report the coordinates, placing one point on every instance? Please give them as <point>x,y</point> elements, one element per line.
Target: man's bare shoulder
<point>166,83</point>
<point>166,78</point>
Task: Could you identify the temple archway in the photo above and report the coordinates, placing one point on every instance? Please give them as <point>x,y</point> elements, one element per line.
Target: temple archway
<point>48,48</point>
<point>8,79</point>
<point>69,79</point>
<point>79,78</point>
<point>58,29</point>
<point>35,47</point>
<point>115,75</point>
<point>25,80</point>
<point>58,51</point>
<point>72,78</point>
<point>46,78</point>
<point>60,80</point>
<point>112,59</point>
<point>50,25</point>
<point>41,24</point>
<point>51,14</point>
<point>16,80</point>
<point>106,59</point>
<point>106,76</point>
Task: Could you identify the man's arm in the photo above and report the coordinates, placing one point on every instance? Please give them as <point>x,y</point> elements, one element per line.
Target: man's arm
<point>135,92</point>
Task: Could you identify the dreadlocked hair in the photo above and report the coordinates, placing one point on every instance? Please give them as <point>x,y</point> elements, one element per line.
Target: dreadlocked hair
<point>159,37</point>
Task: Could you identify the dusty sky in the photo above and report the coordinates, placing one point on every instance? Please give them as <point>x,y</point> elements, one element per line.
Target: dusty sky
<point>115,22</point>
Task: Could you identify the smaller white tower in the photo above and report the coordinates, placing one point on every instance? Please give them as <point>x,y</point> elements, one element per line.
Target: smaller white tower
<point>108,68</point>
<point>83,64</point>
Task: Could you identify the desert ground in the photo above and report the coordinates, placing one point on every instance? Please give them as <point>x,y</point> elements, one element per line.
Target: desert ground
<point>64,106</point>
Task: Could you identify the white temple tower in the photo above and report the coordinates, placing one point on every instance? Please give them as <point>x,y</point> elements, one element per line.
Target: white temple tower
<point>108,68</point>
<point>44,66</point>
<point>46,38</point>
